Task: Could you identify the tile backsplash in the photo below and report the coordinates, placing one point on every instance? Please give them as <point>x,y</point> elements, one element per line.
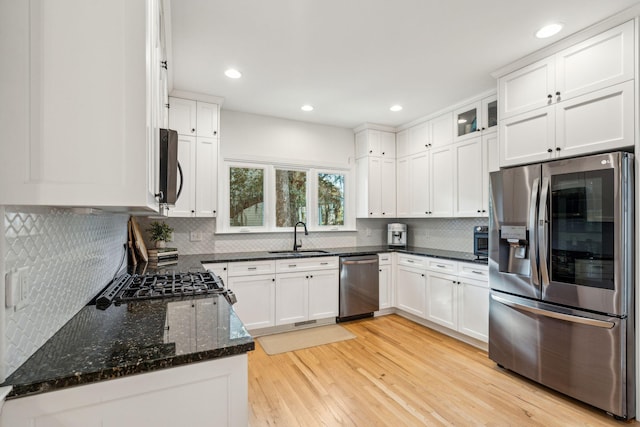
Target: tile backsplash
<point>455,234</point>
<point>69,256</point>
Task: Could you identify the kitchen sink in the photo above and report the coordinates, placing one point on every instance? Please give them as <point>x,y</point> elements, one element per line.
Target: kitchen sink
<point>303,252</point>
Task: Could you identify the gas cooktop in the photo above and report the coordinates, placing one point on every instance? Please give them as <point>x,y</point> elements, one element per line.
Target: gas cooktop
<point>128,287</point>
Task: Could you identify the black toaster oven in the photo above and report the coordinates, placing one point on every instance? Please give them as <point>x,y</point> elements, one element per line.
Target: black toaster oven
<point>481,241</point>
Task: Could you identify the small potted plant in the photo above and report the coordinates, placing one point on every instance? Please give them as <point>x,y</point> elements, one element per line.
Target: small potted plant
<point>160,232</point>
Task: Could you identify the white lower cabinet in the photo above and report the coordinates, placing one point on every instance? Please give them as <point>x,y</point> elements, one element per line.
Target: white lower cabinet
<point>410,290</point>
<point>441,301</point>
<point>473,308</point>
<point>256,299</point>
<point>385,280</point>
<point>219,268</point>
<point>198,394</point>
<point>275,293</point>
<point>449,293</point>
<point>306,289</point>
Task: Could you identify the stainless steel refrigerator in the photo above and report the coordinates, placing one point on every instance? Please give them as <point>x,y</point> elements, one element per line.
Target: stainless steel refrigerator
<point>562,278</point>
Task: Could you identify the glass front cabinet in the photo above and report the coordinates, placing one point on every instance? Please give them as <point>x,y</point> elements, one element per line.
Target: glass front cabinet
<point>477,117</point>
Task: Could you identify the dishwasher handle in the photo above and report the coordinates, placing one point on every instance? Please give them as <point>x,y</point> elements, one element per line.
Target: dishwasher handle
<point>364,261</point>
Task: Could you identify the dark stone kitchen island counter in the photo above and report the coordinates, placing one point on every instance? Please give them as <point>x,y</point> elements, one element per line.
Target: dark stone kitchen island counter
<point>133,338</point>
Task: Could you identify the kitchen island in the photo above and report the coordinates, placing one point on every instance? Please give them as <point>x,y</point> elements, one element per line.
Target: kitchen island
<point>132,345</point>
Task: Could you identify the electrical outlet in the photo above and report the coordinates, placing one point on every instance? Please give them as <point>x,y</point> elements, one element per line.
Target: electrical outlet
<point>195,236</point>
<point>17,288</point>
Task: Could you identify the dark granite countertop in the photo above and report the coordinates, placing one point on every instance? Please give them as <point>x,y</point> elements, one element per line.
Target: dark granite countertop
<point>194,262</point>
<point>132,338</point>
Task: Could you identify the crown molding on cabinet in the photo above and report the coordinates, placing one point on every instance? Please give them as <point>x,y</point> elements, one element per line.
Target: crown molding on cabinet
<point>197,97</point>
<point>374,126</point>
<point>631,13</point>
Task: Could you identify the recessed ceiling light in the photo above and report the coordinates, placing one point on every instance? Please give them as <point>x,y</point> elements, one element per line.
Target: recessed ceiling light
<point>307,108</point>
<point>233,74</point>
<point>396,108</point>
<point>548,30</point>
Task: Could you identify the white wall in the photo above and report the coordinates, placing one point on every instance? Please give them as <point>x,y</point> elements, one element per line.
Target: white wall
<point>250,136</point>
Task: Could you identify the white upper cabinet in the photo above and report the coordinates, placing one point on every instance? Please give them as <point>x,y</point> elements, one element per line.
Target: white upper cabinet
<point>578,101</point>
<point>371,142</point>
<point>195,118</point>
<point>440,130</point>
<point>182,116</point>
<point>207,119</point>
<point>197,126</point>
<point>375,174</point>
<point>479,116</point>
<point>471,185</point>
<point>418,139</point>
<point>86,103</point>
<point>402,143</point>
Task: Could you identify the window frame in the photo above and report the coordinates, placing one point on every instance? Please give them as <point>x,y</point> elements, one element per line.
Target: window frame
<point>223,223</point>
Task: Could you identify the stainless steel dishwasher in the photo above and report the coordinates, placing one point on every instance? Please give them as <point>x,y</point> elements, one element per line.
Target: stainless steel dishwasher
<point>359,287</point>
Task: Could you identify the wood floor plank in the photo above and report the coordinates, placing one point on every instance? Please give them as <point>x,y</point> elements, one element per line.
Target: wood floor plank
<point>398,373</point>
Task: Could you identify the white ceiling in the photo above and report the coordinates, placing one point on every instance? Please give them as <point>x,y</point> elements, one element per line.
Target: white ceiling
<point>353,59</point>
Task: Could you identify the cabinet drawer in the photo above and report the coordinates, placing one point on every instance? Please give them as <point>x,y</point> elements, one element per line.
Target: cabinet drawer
<point>384,259</point>
<point>473,271</point>
<point>443,265</point>
<point>412,261</point>
<point>306,264</point>
<point>219,268</point>
<point>251,267</point>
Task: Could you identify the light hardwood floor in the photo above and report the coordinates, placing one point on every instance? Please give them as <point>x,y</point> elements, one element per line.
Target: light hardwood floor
<point>398,373</point>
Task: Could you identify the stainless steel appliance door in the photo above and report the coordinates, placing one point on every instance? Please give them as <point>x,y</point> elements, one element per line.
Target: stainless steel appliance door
<point>575,352</point>
<point>359,285</point>
<point>513,204</point>
<point>586,233</point>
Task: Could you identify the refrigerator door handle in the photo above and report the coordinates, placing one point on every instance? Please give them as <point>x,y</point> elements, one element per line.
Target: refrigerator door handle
<point>543,229</point>
<point>561,316</point>
<point>533,247</point>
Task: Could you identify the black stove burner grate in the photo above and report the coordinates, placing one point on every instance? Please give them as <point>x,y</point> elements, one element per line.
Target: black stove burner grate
<point>149,286</point>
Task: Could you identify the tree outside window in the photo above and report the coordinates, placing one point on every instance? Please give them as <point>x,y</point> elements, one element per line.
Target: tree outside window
<point>291,197</point>
<point>330,199</point>
<point>246,197</point>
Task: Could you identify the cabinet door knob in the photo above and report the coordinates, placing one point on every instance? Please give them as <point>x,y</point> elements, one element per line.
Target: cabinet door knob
<point>478,210</point>
<point>558,148</point>
<point>549,96</point>
<point>483,210</point>
<point>193,211</point>
<point>383,153</point>
<point>549,150</point>
<point>558,93</point>
<point>370,151</point>
<point>193,130</point>
<point>215,132</point>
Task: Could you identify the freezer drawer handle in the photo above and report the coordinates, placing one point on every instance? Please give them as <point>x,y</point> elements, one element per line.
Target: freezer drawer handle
<point>561,316</point>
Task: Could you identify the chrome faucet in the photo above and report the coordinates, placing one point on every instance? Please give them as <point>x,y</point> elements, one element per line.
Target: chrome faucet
<point>295,235</point>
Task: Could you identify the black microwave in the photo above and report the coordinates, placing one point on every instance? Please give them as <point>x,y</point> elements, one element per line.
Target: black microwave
<point>481,241</point>
<point>169,168</point>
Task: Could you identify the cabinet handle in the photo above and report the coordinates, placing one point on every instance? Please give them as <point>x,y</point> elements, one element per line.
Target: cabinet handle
<point>440,266</point>
<point>476,272</point>
<point>311,277</point>
<point>214,211</point>
<point>292,265</point>
<point>273,280</point>
<point>484,210</point>
<point>383,153</point>
<point>193,130</point>
<point>163,64</point>
<point>550,96</point>
<point>410,261</point>
<point>306,277</point>
<point>549,150</point>
<point>380,270</point>
<point>370,151</point>
<point>478,210</point>
<point>324,263</point>
<point>193,211</point>
<point>252,268</point>
<point>558,93</point>
<point>422,275</point>
<point>558,148</point>
<point>215,132</point>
